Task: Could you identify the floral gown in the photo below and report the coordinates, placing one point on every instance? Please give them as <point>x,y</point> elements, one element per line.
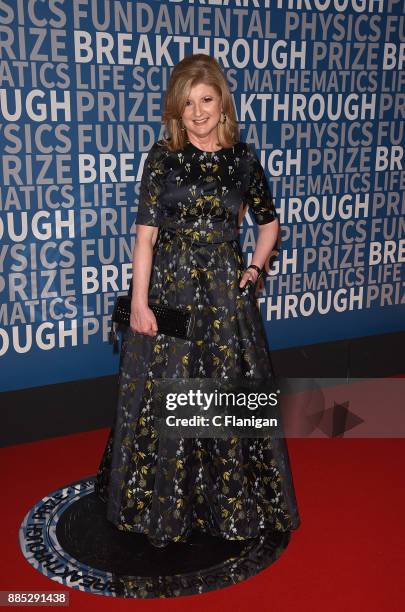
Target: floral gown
<point>165,488</point>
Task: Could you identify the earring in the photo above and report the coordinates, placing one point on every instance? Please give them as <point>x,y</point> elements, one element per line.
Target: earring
<point>182,126</point>
<point>224,120</point>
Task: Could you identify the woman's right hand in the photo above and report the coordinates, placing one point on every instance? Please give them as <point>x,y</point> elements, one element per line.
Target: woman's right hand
<point>143,319</point>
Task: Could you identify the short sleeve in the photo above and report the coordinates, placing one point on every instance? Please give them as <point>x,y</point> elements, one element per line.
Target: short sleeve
<point>258,195</point>
<point>151,187</point>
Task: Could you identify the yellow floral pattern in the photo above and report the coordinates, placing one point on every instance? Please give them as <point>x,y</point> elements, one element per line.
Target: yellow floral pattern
<point>164,488</point>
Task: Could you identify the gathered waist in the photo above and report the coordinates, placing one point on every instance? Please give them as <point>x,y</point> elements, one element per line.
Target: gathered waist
<point>202,234</point>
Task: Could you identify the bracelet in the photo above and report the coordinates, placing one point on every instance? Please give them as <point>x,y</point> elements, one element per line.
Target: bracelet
<point>259,270</point>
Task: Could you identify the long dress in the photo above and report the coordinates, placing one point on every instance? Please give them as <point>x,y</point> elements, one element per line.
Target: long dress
<point>228,487</point>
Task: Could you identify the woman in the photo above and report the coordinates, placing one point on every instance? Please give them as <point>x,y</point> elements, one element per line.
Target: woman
<point>187,255</point>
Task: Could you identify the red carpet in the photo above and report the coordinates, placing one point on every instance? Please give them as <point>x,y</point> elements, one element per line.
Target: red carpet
<point>347,554</point>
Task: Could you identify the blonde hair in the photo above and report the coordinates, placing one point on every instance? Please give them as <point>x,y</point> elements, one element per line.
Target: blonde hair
<point>192,70</point>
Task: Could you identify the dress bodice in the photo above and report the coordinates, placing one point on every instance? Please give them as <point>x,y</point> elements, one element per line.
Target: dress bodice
<point>199,193</point>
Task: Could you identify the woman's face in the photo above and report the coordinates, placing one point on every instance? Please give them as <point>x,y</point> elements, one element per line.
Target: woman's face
<point>202,112</point>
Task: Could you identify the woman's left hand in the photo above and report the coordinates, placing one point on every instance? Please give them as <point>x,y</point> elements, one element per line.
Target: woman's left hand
<point>250,275</point>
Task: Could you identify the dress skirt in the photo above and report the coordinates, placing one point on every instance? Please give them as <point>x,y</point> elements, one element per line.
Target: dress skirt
<point>163,487</point>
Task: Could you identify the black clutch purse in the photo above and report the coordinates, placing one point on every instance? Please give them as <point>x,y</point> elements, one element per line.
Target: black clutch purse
<point>170,321</point>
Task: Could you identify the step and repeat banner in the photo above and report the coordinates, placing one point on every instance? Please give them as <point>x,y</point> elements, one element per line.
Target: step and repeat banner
<point>319,92</point>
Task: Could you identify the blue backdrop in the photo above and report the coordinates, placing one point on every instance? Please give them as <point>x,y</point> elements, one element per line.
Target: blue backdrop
<point>318,92</point>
